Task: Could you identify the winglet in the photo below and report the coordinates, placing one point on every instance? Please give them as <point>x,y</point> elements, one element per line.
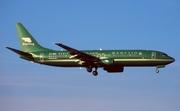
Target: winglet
<point>55,43</point>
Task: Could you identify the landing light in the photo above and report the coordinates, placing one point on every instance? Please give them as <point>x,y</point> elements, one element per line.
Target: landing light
<point>31,61</point>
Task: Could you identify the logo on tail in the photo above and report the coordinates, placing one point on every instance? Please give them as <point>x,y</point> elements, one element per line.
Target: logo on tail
<point>27,41</point>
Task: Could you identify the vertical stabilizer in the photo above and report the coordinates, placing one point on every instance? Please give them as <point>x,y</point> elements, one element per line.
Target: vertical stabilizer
<point>27,42</point>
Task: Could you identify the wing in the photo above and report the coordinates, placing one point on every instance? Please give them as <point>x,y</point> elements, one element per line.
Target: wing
<point>79,54</point>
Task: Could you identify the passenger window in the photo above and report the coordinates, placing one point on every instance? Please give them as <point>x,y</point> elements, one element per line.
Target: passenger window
<point>140,53</point>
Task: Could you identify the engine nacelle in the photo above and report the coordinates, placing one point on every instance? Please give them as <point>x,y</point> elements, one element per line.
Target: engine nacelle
<point>114,68</point>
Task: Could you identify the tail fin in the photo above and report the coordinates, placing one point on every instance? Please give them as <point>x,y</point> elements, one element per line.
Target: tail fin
<point>27,42</point>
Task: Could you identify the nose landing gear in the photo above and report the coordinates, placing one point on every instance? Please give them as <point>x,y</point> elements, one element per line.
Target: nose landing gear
<point>157,70</point>
<point>160,66</point>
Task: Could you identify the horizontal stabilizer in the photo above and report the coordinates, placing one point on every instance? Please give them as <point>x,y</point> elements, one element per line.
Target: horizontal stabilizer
<point>25,54</point>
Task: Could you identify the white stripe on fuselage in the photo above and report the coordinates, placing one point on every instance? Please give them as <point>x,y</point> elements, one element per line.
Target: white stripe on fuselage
<point>142,60</point>
<point>62,60</point>
<point>77,60</point>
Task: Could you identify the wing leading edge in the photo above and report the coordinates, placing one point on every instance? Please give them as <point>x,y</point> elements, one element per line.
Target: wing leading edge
<point>79,54</point>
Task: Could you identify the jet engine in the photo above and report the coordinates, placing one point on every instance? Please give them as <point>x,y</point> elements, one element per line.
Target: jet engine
<point>114,68</point>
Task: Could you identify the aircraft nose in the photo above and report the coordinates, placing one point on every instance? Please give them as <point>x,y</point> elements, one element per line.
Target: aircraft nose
<point>172,59</point>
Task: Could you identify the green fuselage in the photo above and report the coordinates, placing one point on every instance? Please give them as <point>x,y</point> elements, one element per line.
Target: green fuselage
<point>109,60</point>
<point>107,57</point>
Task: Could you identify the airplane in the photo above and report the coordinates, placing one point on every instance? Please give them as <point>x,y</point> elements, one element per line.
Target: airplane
<point>112,61</point>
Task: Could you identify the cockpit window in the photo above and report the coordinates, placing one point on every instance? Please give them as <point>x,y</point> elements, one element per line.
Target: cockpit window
<point>164,55</point>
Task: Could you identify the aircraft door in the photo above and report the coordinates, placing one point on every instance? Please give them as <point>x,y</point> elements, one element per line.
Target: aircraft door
<point>153,55</point>
<point>41,57</point>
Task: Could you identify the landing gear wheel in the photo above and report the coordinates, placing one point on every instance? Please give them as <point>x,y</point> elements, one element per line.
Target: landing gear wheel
<point>95,73</point>
<point>157,70</point>
<point>89,69</point>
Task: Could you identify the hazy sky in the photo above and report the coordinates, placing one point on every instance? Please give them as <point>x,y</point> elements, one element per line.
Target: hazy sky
<point>92,24</point>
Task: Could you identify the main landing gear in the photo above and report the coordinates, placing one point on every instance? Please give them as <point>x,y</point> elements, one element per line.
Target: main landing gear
<point>89,69</point>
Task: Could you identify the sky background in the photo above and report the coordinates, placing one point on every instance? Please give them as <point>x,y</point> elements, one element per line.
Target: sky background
<point>90,24</point>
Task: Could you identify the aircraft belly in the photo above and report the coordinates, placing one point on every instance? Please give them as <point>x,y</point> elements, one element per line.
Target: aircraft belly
<point>62,63</point>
